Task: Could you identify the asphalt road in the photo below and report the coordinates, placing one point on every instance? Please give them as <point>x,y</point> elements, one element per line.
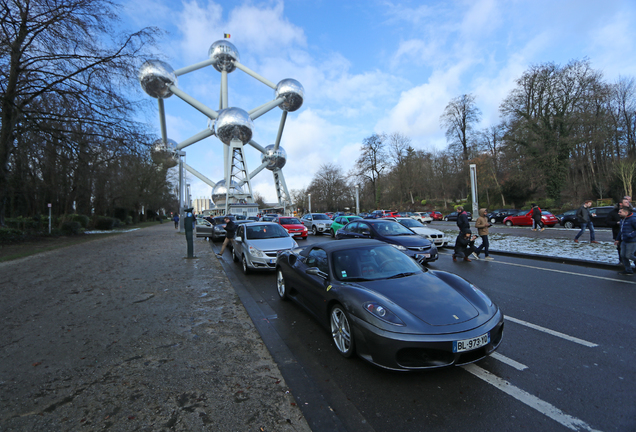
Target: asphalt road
<point>566,362</point>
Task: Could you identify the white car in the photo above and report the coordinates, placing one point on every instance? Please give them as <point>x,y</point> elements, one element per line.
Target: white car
<point>317,223</point>
<point>257,244</point>
<point>434,236</point>
<point>421,217</point>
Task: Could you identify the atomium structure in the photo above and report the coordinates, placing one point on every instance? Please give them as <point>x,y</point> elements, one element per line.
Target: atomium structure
<point>233,126</point>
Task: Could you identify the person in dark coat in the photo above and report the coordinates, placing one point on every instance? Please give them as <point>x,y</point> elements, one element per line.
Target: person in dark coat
<point>627,239</point>
<point>613,220</point>
<point>230,232</point>
<point>584,216</point>
<point>464,245</point>
<point>462,219</point>
<point>536,218</point>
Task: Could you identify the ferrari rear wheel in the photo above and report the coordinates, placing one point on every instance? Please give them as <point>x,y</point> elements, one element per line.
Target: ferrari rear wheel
<point>280,285</point>
<point>341,332</point>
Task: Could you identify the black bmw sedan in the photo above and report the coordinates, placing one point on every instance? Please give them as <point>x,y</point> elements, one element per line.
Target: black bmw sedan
<point>393,233</point>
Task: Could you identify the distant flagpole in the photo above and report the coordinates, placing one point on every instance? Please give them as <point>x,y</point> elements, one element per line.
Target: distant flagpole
<point>226,35</point>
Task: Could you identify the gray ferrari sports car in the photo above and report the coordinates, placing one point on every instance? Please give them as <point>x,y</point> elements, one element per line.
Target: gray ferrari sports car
<point>387,308</point>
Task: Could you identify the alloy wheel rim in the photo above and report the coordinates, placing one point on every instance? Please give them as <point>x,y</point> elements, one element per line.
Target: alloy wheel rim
<point>340,330</point>
<point>281,284</point>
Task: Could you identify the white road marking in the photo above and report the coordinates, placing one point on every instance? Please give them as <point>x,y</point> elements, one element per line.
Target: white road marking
<point>508,361</point>
<point>532,401</point>
<point>552,332</point>
<point>567,272</point>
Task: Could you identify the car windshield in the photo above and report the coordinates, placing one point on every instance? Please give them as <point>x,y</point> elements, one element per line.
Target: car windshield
<point>321,217</point>
<point>260,232</point>
<point>289,221</point>
<point>372,263</point>
<point>390,229</point>
<point>546,213</point>
<point>411,223</point>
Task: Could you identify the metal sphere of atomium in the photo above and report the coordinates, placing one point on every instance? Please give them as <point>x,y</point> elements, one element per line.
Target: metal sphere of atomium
<point>156,77</point>
<point>223,54</point>
<point>234,123</point>
<point>165,153</point>
<point>219,190</point>
<point>293,93</point>
<point>274,159</point>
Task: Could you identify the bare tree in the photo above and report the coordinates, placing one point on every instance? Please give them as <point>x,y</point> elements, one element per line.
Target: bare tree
<point>64,54</point>
<point>372,162</point>
<point>458,119</point>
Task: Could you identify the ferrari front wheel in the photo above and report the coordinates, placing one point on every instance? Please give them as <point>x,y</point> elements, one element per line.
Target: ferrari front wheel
<point>341,332</point>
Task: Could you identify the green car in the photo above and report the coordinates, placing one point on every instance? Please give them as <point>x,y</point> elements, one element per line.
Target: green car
<point>341,221</point>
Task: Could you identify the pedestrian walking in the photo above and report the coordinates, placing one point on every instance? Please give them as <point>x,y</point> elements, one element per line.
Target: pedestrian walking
<point>230,231</point>
<point>613,220</point>
<point>585,220</point>
<point>464,245</point>
<point>462,219</point>
<point>176,221</point>
<point>482,224</point>
<point>627,201</point>
<point>536,218</point>
<point>627,239</point>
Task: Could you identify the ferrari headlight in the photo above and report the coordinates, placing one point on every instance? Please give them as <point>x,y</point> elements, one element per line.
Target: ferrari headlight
<point>399,247</point>
<point>379,311</point>
<point>256,252</point>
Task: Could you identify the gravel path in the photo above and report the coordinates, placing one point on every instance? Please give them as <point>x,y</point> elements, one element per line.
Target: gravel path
<point>123,334</point>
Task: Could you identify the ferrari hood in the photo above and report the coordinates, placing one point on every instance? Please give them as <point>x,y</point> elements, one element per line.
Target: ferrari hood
<point>426,297</point>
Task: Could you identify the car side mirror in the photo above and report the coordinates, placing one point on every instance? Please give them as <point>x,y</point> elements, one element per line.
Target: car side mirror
<point>315,272</point>
<point>366,233</point>
<point>238,239</point>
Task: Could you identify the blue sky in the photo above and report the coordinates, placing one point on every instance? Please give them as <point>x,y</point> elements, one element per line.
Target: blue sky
<point>369,67</point>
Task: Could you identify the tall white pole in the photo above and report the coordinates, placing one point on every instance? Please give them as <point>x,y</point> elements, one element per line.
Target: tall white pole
<point>357,199</point>
<point>473,189</point>
<point>309,195</point>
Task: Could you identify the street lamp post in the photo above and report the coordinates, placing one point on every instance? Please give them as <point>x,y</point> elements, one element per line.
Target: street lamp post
<point>309,196</point>
<point>357,200</point>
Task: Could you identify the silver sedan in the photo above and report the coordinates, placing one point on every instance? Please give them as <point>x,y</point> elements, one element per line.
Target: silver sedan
<point>257,244</point>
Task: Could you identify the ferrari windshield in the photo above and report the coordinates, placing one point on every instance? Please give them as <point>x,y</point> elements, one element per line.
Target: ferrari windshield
<point>259,232</point>
<point>372,263</point>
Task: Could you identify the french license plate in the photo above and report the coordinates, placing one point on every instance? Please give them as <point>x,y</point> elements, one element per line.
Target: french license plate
<point>471,344</point>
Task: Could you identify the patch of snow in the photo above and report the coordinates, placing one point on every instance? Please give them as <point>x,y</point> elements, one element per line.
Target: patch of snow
<point>604,252</point>
<point>110,232</point>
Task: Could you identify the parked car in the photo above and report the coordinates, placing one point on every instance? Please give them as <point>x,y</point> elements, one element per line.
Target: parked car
<point>293,226</point>
<point>341,221</point>
<point>388,309</point>
<point>598,215</point>
<point>388,231</point>
<point>204,228</point>
<point>436,215</point>
<point>317,223</point>
<point>422,217</point>
<point>375,214</point>
<point>498,216</point>
<point>434,236</point>
<point>257,244</point>
<point>525,219</point>
<point>453,216</point>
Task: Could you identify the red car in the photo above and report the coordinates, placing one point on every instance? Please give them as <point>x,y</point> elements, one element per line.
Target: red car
<point>293,226</point>
<point>525,219</point>
<point>436,215</point>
